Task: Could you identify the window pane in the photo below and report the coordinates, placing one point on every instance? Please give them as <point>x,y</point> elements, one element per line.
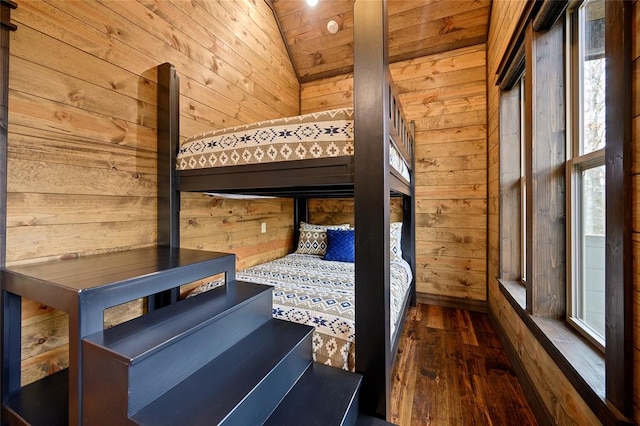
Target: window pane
<point>593,76</point>
<point>591,297</point>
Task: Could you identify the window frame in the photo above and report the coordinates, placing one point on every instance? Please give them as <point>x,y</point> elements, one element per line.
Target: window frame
<point>523,179</point>
<point>577,162</point>
<point>575,166</point>
<point>512,216</point>
<point>605,381</point>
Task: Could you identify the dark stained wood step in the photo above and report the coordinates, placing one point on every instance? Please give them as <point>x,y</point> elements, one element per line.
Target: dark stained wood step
<point>138,339</point>
<point>122,364</point>
<point>323,396</point>
<point>242,386</point>
<point>41,403</point>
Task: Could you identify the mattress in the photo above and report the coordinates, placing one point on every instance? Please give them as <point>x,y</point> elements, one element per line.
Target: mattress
<point>320,293</point>
<point>316,135</point>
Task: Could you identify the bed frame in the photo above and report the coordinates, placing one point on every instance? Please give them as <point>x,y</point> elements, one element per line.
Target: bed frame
<point>366,176</point>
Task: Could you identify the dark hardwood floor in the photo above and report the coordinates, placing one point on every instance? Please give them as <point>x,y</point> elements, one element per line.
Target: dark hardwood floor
<point>452,370</point>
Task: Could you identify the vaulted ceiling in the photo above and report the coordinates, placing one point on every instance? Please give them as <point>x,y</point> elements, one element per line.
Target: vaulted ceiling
<point>416,28</point>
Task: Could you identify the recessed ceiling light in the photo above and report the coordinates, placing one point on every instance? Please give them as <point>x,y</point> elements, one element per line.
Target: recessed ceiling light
<point>312,2</point>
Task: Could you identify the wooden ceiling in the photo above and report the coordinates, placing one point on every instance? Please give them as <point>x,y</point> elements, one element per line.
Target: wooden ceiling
<point>416,28</point>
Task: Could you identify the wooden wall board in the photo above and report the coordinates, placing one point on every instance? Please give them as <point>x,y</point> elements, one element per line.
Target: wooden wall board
<point>46,146</point>
<point>43,209</point>
<point>25,243</point>
<point>554,389</point>
<point>45,338</point>
<point>444,248</point>
<point>327,87</point>
<point>219,224</point>
<point>635,171</point>
<point>241,20</point>
<point>42,365</point>
<point>82,129</point>
<point>32,111</point>
<point>456,192</point>
<point>34,176</point>
<point>233,33</point>
<point>57,54</point>
<point>445,94</point>
<point>462,27</point>
<point>340,211</point>
<point>467,134</point>
<point>57,86</point>
<point>451,142</point>
<point>219,74</point>
<point>454,263</point>
<point>44,335</point>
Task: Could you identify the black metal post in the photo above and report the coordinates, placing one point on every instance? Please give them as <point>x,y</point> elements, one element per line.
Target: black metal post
<point>168,194</point>
<point>371,199</point>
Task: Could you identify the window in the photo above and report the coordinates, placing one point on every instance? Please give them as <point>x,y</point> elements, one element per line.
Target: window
<point>523,182</point>
<point>513,177</point>
<point>585,169</point>
<point>566,192</point>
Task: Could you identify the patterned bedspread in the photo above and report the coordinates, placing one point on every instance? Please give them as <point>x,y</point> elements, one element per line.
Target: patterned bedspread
<point>315,135</point>
<point>320,293</point>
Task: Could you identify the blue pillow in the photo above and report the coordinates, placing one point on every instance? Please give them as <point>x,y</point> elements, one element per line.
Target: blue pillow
<point>340,245</point>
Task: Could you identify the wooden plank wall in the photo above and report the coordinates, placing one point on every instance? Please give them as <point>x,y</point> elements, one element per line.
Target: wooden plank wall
<point>340,211</point>
<point>635,170</point>
<point>82,128</point>
<point>445,94</point>
<point>560,398</point>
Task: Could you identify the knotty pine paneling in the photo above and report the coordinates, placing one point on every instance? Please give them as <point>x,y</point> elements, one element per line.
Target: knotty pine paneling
<point>83,125</point>
<point>445,94</point>
<point>340,211</point>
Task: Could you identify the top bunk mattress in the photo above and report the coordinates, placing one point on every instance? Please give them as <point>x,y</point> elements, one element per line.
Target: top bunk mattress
<point>308,136</point>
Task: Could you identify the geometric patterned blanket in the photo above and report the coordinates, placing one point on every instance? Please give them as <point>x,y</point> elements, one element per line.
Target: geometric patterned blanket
<point>314,135</point>
<point>320,293</point>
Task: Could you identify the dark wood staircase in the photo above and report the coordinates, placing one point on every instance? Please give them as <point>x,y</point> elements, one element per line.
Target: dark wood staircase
<point>218,358</point>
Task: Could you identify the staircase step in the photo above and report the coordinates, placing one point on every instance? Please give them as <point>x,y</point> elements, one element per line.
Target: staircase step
<point>323,396</point>
<point>242,386</point>
<point>128,366</point>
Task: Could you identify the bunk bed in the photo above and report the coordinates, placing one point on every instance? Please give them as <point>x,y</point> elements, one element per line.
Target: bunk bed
<point>362,170</point>
<point>311,289</point>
